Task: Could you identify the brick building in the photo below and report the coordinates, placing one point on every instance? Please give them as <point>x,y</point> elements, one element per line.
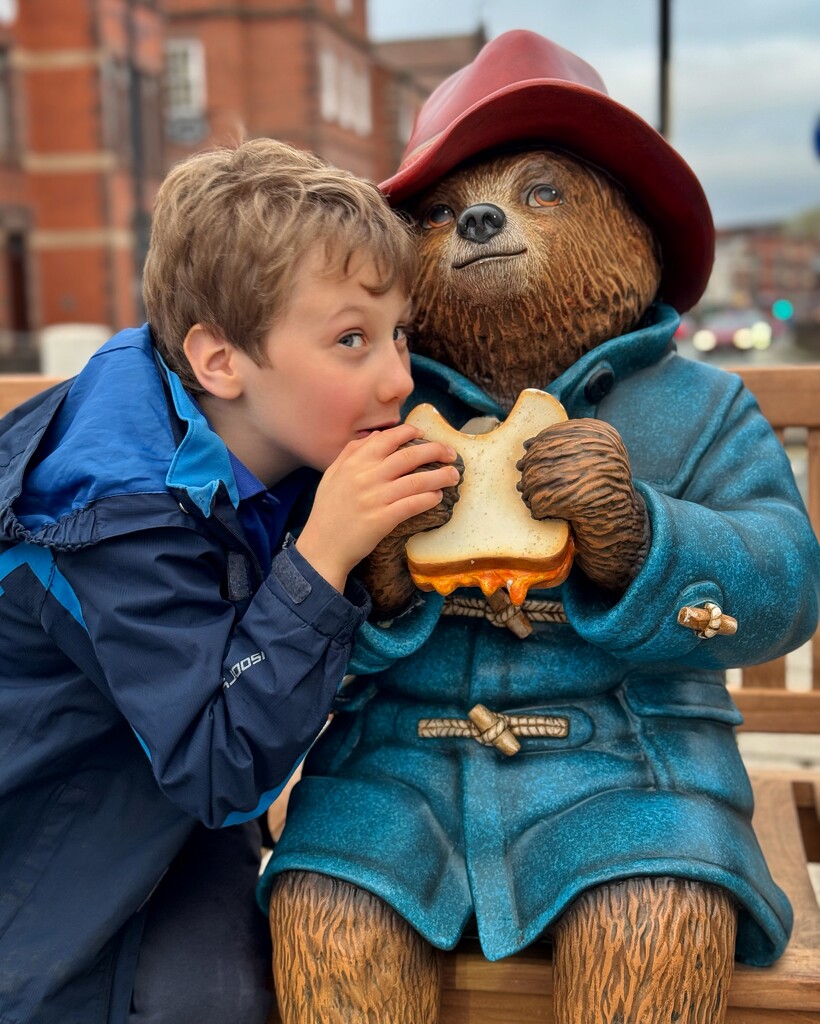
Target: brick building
<point>305,72</point>
<point>300,72</point>
<point>431,60</point>
<point>99,97</point>
<point>81,154</point>
<point>412,69</point>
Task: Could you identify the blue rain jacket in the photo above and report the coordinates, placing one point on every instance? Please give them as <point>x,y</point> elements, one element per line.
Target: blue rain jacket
<point>152,672</point>
<point>649,780</point>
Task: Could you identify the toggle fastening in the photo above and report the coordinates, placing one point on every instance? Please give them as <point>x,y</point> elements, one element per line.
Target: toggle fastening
<point>494,729</point>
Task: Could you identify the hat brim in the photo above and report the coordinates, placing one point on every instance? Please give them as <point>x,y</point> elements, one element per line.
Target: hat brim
<point>591,125</point>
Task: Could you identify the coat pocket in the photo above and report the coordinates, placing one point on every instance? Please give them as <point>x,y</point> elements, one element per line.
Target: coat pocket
<point>682,698</point>
<point>686,728</point>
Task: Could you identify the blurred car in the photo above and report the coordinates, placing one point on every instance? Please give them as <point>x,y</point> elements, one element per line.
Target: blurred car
<point>686,328</point>
<point>743,329</point>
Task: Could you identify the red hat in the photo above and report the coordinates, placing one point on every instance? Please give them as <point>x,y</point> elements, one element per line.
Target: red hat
<point>524,88</point>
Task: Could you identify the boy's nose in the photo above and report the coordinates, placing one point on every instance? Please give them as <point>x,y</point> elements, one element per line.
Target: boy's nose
<point>395,382</point>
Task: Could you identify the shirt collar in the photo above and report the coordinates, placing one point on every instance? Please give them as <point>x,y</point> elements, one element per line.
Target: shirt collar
<point>247,484</point>
<point>284,492</point>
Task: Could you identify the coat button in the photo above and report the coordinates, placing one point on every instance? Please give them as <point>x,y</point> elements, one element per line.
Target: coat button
<point>599,384</point>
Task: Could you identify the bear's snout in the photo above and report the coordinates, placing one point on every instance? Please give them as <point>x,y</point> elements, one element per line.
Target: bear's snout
<point>480,222</point>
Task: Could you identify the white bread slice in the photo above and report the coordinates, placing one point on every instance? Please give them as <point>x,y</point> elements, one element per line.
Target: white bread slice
<point>492,540</point>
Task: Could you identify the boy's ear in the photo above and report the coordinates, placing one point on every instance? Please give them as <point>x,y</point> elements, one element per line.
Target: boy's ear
<point>214,362</point>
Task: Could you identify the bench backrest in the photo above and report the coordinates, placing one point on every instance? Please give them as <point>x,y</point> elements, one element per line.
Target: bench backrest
<point>789,397</point>
<point>15,388</point>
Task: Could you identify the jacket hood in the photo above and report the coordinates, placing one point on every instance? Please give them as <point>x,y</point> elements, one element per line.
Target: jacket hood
<point>123,434</point>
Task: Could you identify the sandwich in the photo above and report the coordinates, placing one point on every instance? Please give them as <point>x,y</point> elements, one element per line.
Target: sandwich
<point>491,540</point>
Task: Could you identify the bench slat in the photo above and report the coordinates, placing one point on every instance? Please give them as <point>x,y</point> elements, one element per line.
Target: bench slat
<point>17,388</point>
<point>767,710</point>
<point>787,394</point>
<point>771,675</point>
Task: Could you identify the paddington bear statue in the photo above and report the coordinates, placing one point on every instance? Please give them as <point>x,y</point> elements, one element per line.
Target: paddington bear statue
<point>560,236</point>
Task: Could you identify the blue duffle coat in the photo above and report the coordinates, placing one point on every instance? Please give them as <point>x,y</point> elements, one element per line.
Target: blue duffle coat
<point>649,780</point>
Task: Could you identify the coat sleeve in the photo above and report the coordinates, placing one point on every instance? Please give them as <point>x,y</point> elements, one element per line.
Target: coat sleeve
<point>224,708</point>
<point>378,645</point>
<point>733,531</point>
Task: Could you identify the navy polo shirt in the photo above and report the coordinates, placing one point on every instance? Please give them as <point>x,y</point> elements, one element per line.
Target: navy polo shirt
<point>264,513</point>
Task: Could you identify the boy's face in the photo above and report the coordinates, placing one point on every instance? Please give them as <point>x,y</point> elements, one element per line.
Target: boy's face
<point>339,368</point>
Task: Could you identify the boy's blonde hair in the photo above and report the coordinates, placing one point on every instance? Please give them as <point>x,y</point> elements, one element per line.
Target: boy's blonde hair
<point>230,226</point>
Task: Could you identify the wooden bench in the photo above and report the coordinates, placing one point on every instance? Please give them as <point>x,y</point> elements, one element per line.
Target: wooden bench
<point>787,815</point>
<point>17,387</point>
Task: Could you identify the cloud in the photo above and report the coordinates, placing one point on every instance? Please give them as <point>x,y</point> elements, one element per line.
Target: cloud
<point>744,119</point>
<point>758,74</point>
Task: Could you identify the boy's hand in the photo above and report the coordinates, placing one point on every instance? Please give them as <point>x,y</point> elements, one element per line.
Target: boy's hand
<point>371,487</point>
<point>384,571</point>
<point>438,515</point>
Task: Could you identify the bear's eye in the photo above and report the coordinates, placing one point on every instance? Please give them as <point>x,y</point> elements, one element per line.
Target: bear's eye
<point>438,216</point>
<point>543,195</point>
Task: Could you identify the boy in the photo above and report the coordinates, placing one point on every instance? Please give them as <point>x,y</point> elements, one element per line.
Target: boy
<point>165,667</point>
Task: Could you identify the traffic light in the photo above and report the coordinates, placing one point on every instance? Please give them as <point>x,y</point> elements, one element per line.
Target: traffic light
<point>782,309</point>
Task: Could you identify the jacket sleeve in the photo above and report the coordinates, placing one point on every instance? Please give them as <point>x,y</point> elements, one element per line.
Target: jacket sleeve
<point>225,709</point>
<point>733,531</point>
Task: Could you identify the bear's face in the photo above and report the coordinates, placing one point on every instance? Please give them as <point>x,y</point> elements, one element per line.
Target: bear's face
<point>528,261</point>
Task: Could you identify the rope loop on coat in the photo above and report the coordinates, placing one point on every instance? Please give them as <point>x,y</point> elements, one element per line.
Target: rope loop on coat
<point>494,729</point>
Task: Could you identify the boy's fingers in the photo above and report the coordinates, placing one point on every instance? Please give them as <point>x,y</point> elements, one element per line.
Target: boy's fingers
<point>399,449</point>
<point>379,444</point>
<point>427,481</point>
<point>413,505</point>
<point>413,457</point>
<point>385,442</point>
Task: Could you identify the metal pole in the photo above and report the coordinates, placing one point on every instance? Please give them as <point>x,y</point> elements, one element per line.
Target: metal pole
<point>141,220</point>
<point>664,50</point>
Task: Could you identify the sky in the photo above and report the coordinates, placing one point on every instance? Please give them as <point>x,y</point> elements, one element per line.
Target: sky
<point>744,81</point>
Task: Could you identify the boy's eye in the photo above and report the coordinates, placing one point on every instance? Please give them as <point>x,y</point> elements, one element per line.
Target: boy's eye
<point>352,340</point>
<point>400,334</point>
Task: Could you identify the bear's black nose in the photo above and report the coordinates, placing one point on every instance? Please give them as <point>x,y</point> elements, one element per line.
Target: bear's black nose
<point>480,222</point>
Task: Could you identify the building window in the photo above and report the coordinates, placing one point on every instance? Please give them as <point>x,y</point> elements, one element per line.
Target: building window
<point>116,101</point>
<point>185,90</point>
<point>7,140</point>
<point>328,86</point>
<point>17,281</point>
<point>150,89</point>
<point>406,118</point>
<point>19,352</point>
<point>344,94</point>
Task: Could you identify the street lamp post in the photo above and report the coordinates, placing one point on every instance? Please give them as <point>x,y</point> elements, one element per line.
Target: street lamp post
<point>664,48</point>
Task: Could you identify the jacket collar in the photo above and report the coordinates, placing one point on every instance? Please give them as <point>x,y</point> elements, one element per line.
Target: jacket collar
<point>575,389</point>
<point>201,462</point>
<point>122,432</point>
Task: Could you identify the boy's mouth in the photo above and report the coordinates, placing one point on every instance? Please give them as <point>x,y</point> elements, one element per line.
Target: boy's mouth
<point>380,426</point>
